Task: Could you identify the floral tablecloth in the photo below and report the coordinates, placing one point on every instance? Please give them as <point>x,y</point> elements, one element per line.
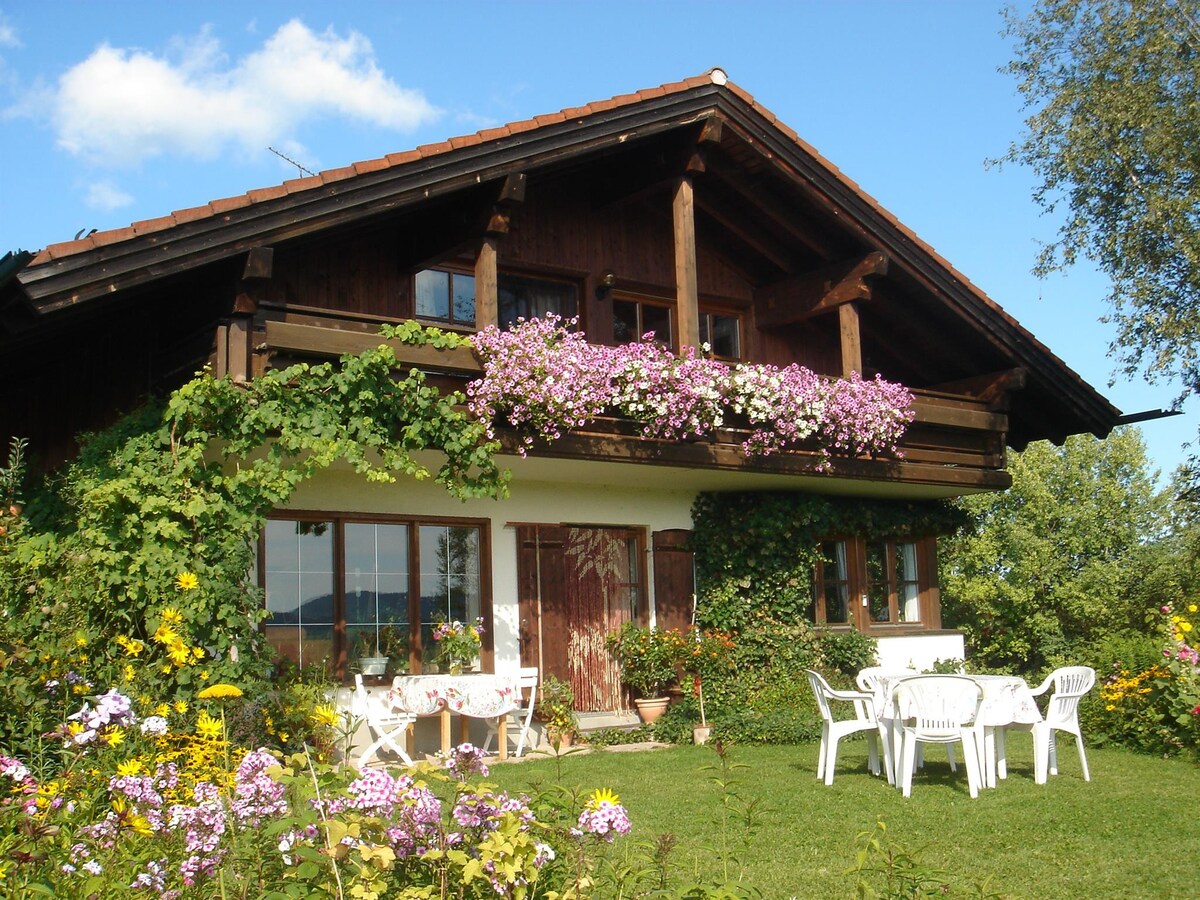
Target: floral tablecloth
<point>483,696</point>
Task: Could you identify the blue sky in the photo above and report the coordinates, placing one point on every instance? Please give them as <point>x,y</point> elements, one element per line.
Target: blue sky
<point>115,112</point>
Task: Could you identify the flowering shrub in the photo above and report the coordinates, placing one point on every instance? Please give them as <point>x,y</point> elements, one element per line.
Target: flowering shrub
<point>544,380</point>
<point>458,643</point>
<point>1156,709</point>
<point>124,817</point>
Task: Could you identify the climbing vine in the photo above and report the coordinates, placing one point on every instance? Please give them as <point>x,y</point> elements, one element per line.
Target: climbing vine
<point>182,488</point>
<point>755,552</point>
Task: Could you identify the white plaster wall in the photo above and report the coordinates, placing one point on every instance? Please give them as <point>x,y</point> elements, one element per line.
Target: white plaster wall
<point>530,501</point>
<point>920,651</point>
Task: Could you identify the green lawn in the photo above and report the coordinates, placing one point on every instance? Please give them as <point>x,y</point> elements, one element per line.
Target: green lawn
<point>1129,833</point>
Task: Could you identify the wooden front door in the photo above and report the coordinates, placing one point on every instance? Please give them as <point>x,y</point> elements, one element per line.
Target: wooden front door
<point>577,584</point>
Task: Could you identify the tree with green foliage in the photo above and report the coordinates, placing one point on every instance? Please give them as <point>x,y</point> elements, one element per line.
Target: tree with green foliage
<point>1113,93</point>
<point>1059,561</point>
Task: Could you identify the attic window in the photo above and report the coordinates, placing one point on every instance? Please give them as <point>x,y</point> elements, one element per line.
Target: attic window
<point>522,297</point>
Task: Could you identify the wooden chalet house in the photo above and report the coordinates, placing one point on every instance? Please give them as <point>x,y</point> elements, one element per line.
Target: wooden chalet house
<point>686,209</point>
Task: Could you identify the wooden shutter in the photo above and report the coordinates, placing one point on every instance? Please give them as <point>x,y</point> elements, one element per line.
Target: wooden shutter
<point>674,578</point>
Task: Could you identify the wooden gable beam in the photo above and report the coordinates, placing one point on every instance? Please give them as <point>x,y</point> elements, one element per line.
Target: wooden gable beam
<point>799,297</point>
<point>993,388</point>
<point>687,304</point>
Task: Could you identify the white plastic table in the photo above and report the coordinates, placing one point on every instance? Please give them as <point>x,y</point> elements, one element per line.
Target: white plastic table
<point>1006,701</point>
<point>478,696</point>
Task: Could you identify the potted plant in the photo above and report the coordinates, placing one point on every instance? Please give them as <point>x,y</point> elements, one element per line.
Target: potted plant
<point>458,643</point>
<point>556,708</point>
<point>371,658</point>
<point>648,658</point>
<point>393,643</point>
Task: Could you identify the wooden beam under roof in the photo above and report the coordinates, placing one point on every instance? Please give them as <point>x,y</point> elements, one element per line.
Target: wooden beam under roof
<point>993,388</point>
<point>799,297</point>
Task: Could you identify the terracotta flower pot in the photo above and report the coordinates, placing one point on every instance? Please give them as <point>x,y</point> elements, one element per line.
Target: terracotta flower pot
<point>651,708</point>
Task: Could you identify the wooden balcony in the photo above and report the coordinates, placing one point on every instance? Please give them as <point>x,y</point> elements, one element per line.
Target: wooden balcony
<point>955,444</point>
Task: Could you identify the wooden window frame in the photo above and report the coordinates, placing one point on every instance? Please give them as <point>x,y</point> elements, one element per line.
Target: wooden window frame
<point>339,520</point>
<point>928,594</point>
<point>706,316</point>
<point>641,301</point>
<point>449,321</point>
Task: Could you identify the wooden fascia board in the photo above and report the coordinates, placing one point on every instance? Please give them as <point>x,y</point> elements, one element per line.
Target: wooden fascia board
<point>863,218</point>
<point>94,273</point>
<point>638,451</point>
<point>799,297</point>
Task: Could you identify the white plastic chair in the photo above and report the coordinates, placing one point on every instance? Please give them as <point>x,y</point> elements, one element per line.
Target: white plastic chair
<point>519,720</point>
<point>1070,684</point>
<point>873,680</point>
<point>943,710</point>
<point>833,730</point>
<point>387,727</point>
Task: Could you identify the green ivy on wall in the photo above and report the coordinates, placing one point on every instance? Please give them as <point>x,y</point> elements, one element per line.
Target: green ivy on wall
<point>755,551</point>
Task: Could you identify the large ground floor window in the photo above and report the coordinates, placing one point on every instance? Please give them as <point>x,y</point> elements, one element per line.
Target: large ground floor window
<point>342,586</point>
<point>876,583</point>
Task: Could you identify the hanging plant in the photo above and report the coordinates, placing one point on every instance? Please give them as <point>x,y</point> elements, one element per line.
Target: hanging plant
<point>543,380</point>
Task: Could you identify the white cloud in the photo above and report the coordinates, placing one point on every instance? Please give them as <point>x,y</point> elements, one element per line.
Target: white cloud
<point>106,196</point>
<point>8,34</point>
<point>120,106</point>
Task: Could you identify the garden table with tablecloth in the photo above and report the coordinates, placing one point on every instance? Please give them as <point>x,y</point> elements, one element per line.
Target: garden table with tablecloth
<point>471,696</point>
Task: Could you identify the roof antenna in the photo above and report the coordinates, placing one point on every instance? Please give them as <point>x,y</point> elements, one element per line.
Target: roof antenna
<point>292,161</point>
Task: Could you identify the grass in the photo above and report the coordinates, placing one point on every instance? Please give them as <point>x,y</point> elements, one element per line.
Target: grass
<point>1129,833</point>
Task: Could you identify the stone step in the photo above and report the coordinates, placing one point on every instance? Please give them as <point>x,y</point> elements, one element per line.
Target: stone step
<point>626,720</point>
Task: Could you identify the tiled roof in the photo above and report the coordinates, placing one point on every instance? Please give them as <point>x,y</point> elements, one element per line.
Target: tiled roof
<point>329,176</point>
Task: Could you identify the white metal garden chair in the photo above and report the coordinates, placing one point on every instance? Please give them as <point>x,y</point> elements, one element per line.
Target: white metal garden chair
<point>939,709</point>
<point>520,719</point>
<point>387,727</point>
<point>833,730</point>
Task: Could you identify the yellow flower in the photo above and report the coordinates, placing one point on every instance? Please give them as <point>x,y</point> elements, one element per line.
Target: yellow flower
<point>130,768</point>
<point>165,634</point>
<point>187,581</point>
<point>220,691</point>
<point>114,737</point>
<point>163,709</point>
<point>81,642</point>
<point>128,817</point>
<point>601,796</point>
<point>1186,627</point>
<point>198,652</point>
<point>128,672</point>
<point>1192,608</point>
<point>75,728</point>
<point>179,655</point>
<point>204,675</point>
<point>207,726</point>
<point>326,715</point>
<point>181,706</point>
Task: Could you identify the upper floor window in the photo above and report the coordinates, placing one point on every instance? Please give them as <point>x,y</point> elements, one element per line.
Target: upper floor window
<point>722,332</point>
<point>522,297</point>
<point>447,297</point>
<point>634,318</point>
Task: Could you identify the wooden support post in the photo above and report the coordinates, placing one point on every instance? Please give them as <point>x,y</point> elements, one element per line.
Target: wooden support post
<point>241,328</point>
<point>851,339</point>
<point>487,291</point>
<point>687,306</point>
